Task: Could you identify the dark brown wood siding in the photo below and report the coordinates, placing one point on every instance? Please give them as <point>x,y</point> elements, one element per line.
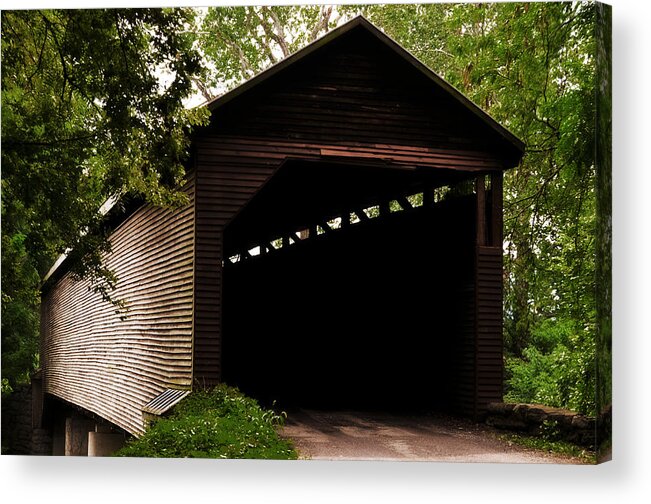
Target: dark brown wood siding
<point>462,377</point>
<point>210,218</point>
<point>351,101</point>
<point>489,317</point>
<point>113,367</point>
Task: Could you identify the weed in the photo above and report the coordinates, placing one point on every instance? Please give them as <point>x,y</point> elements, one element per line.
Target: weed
<point>556,447</point>
<point>217,423</point>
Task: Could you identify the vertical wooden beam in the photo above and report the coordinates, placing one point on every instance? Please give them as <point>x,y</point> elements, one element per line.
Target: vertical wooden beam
<point>345,220</point>
<point>361,215</point>
<point>325,226</point>
<point>217,362</point>
<point>428,197</point>
<point>480,219</point>
<point>481,210</point>
<point>476,323</point>
<point>496,209</point>
<point>404,202</point>
<point>77,429</point>
<point>489,364</point>
<point>480,190</point>
<point>489,373</point>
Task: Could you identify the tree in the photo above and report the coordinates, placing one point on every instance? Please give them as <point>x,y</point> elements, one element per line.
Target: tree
<point>92,109</point>
<point>239,42</point>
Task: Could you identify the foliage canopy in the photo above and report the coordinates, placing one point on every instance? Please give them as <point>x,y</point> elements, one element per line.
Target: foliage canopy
<point>92,109</point>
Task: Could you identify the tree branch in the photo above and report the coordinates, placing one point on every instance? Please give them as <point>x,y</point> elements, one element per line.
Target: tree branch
<point>39,61</point>
<point>322,24</point>
<point>237,51</point>
<point>9,143</point>
<point>538,193</point>
<point>122,45</point>
<point>280,32</point>
<point>67,78</point>
<point>205,92</point>
<point>271,35</point>
<point>64,65</point>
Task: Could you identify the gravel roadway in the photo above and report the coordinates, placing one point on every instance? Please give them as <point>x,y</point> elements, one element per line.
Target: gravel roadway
<point>353,435</point>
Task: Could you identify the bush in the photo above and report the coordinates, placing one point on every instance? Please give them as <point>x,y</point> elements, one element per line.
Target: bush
<point>558,369</point>
<point>218,423</point>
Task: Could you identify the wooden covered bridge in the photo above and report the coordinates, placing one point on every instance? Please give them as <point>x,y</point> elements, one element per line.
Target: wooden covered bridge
<point>342,247</point>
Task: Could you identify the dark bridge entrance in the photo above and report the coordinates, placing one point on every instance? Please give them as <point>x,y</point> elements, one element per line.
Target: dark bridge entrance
<point>373,313</point>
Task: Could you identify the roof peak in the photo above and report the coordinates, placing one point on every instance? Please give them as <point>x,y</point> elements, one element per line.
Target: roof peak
<point>264,74</point>
<point>356,22</point>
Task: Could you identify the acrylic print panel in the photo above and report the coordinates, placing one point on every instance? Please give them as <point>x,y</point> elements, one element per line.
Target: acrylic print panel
<point>319,232</point>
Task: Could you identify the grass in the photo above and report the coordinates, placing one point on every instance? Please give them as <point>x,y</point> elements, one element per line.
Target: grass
<point>217,423</point>
<point>556,447</point>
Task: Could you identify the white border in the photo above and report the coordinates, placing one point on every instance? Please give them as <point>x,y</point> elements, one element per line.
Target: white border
<point>626,479</point>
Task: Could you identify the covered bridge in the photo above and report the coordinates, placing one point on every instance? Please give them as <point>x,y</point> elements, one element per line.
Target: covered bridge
<point>342,247</point>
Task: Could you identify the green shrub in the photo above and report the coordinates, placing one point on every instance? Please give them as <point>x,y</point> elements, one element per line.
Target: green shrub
<point>557,369</point>
<point>217,423</point>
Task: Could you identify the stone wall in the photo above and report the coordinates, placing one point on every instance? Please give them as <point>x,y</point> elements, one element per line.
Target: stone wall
<point>18,436</point>
<point>539,420</point>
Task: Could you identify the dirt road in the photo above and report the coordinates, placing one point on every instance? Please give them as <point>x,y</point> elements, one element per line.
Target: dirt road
<point>350,435</point>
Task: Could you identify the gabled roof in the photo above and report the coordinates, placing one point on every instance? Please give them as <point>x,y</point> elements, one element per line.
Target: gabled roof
<point>361,23</point>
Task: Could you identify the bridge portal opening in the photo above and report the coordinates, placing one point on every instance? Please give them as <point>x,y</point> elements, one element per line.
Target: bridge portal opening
<point>351,286</point>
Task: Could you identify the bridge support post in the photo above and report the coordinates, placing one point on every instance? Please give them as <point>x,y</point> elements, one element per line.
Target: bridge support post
<point>103,442</point>
<point>59,437</point>
<point>77,429</point>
